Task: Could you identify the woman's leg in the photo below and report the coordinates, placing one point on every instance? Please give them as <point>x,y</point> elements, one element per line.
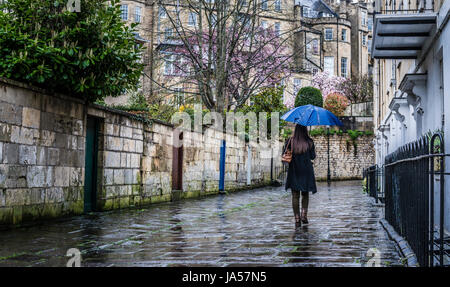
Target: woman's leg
<point>305,202</point>
<point>296,204</point>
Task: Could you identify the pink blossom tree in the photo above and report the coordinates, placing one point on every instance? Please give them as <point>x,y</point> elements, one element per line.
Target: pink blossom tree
<point>289,100</point>
<point>225,53</point>
<point>328,84</point>
<point>358,89</point>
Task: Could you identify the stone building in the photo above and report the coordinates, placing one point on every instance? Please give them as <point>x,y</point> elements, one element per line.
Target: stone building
<point>323,35</point>
<point>411,72</point>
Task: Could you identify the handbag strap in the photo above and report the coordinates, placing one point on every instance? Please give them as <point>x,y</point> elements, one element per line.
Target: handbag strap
<point>287,145</point>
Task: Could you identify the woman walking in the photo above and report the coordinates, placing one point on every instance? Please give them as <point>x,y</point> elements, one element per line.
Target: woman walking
<point>300,177</point>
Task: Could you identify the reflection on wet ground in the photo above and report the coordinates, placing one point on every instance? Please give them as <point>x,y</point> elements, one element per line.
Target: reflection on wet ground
<point>248,228</point>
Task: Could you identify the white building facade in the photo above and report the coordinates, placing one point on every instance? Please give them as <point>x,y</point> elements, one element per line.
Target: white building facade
<point>411,48</point>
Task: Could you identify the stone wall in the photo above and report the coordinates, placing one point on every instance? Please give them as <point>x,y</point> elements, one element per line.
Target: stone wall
<point>42,158</point>
<point>42,141</point>
<point>347,160</point>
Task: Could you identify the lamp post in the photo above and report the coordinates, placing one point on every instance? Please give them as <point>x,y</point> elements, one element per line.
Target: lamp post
<point>328,155</point>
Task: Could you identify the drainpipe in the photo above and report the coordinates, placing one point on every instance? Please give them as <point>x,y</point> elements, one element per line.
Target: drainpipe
<point>337,45</point>
<point>328,156</point>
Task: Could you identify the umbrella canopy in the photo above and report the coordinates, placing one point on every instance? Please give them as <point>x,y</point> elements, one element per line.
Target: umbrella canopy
<point>310,115</point>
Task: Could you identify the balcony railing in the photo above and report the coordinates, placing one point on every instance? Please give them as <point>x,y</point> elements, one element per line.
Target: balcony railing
<point>409,6</point>
<point>402,28</point>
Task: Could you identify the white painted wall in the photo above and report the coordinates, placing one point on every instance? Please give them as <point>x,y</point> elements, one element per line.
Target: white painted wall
<point>435,102</point>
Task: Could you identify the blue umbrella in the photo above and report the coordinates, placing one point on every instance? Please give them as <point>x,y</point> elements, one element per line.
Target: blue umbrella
<point>310,115</point>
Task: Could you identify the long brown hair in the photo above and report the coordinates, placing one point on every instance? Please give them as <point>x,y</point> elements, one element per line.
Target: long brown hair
<point>300,140</point>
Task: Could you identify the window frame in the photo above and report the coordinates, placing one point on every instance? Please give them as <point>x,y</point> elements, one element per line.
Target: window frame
<point>344,72</point>
<point>162,14</point>
<point>264,4</point>
<point>124,12</point>
<point>315,46</point>
<point>344,32</point>
<point>332,62</point>
<point>277,28</point>
<point>326,34</point>
<point>192,16</point>
<point>297,85</point>
<point>277,5</point>
<point>138,16</point>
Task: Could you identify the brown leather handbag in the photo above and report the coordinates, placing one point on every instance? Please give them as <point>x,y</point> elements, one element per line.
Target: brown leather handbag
<point>287,153</point>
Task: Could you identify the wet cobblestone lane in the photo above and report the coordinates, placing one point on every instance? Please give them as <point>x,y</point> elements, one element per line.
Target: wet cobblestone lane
<point>248,228</point>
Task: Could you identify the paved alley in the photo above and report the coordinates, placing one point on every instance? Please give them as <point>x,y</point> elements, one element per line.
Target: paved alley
<point>248,228</point>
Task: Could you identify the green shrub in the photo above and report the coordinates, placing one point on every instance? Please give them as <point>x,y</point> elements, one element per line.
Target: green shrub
<point>268,100</point>
<point>309,96</point>
<point>88,54</point>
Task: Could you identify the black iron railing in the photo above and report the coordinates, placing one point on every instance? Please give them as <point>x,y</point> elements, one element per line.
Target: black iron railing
<point>373,176</point>
<point>409,6</point>
<point>409,181</point>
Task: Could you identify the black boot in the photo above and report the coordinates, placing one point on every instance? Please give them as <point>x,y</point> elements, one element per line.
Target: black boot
<point>304,216</point>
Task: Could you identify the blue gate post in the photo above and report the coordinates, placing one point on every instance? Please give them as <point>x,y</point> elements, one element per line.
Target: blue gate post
<point>222,166</point>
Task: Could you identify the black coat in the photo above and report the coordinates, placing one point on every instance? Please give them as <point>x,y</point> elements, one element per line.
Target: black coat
<point>300,175</point>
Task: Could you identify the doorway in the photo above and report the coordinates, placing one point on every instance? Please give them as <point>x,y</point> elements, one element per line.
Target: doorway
<point>91,164</point>
<point>177,163</point>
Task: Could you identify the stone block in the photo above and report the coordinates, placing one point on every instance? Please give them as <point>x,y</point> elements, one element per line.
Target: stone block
<point>11,153</point>
<point>112,159</point>
<point>61,140</point>
<point>55,195</point>
<point>108,176</point>
<point>114,143</point>
<point>41,155</point>
<point>37,195</point>
<point>119,177</point>
<point>76,177</point>
<point>16,197</point>
<point>53,156</point>
<point>112,129</point>
<point>81,142</point>
<point>24,135</point>
<point>110,191</point>
<point>125,121</point>
<point>47,138</point>
<point>10,113</point>
<point>72,142</point>
<point>139,146</point>
<point>3,174</point>
<point>128,145</point>
<point>2,198</point>
<point>27,155</point>
<point>128,174</point>
<point>138,134</point>
<point>5,132</point>
<point>126,132</point>
<point>31,118</point>
<point>62,176</point>
<point>78,128</point>
<point>124,160</point>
